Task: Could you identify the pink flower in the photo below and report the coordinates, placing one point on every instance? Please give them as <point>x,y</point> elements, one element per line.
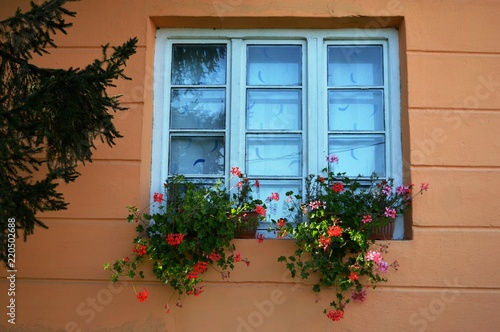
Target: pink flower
<point>332,159</point>
<point>424,186</point>
<point>142,296</point>
<point>317,204</point>
<point>157,197</point>
<point>390,213</point>
<point>387,190</point>
<point>383,266</point>
<point>374,256</point>
<point>236,171</point>
<point>367,219</point>
<point>359,296</point>
<point>403,190</point>
<point>274,197</point>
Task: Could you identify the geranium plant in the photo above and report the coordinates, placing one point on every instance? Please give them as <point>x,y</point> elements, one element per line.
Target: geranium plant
<point>190,232</point>
<point>332,224</point>
<point>246,210</point>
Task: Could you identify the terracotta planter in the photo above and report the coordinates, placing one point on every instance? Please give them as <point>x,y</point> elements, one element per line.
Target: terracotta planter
<point>246,225</point>
<point>383,232</point>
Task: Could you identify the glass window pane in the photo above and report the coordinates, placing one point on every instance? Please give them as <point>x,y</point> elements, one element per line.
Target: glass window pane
<point>198,64</point>
<point>198,109</point>
<point>274,65</point>
<point>355,65</point>
<point>355,110</point>
<point>278,209</point>
<point>359,154</point>
<point>274,155</point>
<point>274,109</point>
<point>197,155</point>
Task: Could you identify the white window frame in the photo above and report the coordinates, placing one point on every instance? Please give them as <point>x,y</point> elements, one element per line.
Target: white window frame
<point>314,78</point>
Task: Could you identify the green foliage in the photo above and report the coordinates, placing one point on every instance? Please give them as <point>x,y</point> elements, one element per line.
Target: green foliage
<point>49,117</point>
<point>191,230</point>
<point>331,227</point>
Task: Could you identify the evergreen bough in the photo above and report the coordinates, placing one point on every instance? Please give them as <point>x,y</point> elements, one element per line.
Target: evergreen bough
<point>49,117</point>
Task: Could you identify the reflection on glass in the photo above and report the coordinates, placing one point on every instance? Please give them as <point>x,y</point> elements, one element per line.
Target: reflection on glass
<point>274,109</point>
<point>274,65</point>
<point>359,154</point>
<point>198,64</point>
<point>278,209</point>
<point>274,155</point>
<point>355,110</point>
<point>197,155</point>
<point>355,66</point>
<point>198,109</point>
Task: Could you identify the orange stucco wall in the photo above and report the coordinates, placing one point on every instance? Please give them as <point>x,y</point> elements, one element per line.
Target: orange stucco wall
<point>449,275</point>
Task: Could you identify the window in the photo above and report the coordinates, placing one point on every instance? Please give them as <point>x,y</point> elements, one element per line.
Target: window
<point>275,103</point>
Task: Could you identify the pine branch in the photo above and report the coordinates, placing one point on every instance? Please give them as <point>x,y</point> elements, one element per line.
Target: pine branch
<point>49,118</point>
<point>31,31</point>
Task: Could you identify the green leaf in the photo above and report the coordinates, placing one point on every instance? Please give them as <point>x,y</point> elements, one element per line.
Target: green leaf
<point>316,288</point>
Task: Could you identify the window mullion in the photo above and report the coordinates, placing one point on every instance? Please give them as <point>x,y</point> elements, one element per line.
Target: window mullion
<point>314,115</point>
<point>236,112</point>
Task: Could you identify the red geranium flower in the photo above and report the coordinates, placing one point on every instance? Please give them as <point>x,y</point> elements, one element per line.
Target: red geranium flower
<point>335,315</point>
<point>338,187</point>
<point>214,256</point>
<point>236,171</point>
<point>335,231</point>
<point>157,197</point>
<point>200,267</point>
<point>140,249</point>
<point>260,210</point>
<point>175,239</point>
<point>142,296</point>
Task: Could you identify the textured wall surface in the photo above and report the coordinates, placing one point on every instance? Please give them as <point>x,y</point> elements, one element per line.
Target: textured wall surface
<point>448,279</point>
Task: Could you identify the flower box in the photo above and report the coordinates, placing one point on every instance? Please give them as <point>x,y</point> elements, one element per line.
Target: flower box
<point>246,225</point>
<point>383,232</point>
